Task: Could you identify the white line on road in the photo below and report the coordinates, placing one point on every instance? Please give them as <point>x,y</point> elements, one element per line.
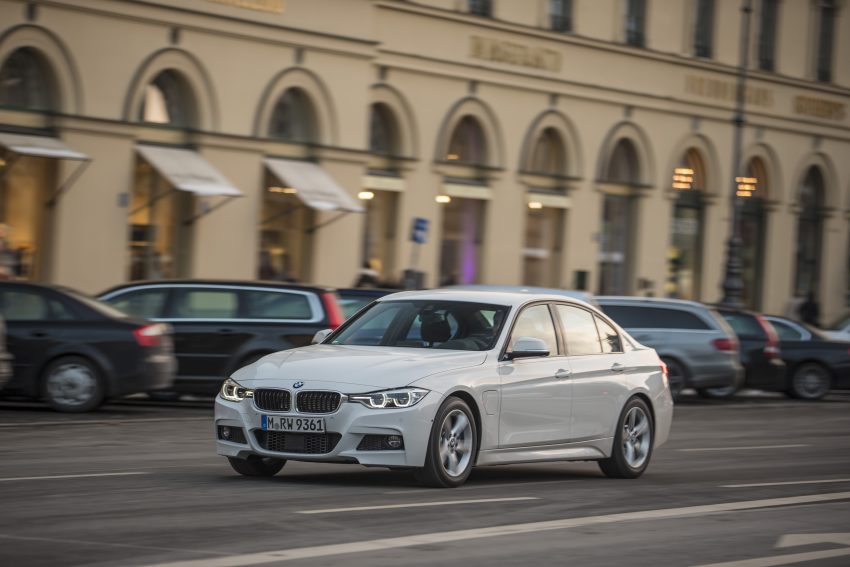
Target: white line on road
<point>496,531</point>
<point>416,505</point>
<point>789,483</point>
<point>59,423</point>
<point>790,559</point>
<point>466,487</point>
<point>71,476</point>
<point>751,448</point>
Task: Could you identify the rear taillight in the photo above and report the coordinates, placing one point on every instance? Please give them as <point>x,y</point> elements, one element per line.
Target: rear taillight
<point>150,335</point>
<point>332,309</point>
<point>664,369</point>
<point>725,344</point>
<point>771,350</point>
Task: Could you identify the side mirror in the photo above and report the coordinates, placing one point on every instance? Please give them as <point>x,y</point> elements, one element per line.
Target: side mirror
<point>320,336</point>
<point>527,347</point>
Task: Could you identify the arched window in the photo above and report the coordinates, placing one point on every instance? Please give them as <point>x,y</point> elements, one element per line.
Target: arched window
<point>294,118</point>
<point>168,100</point>
<point>549,154</point>
<point>467,145</point>
<point>27,81</point>
<point>383,131</point>
<point>809,233</point>
<point>624,166</point>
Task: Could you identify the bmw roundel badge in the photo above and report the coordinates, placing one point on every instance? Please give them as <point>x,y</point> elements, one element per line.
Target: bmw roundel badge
<point>297,385</point>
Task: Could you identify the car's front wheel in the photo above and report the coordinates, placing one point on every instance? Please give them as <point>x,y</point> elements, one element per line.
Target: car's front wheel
<point>632,442</point>
<point>810,381</point>
<point>256,465</point>
<point>452,446</point>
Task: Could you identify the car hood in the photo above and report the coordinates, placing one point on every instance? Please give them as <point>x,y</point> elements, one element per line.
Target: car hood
<point>352,369</point>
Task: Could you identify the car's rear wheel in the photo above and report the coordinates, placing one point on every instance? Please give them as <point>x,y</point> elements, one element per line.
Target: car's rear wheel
<point>255,465</point>
<point>810,381</point>
<point>676,376</point>
<point>73,384</point>
<point>718,393</point>
<point>632,443</point>
<point>452,446</point>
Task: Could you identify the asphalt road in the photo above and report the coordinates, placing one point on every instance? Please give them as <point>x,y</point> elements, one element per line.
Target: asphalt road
<point>754,482</point>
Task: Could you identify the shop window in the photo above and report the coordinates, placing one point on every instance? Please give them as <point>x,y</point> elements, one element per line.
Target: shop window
<point>825,39</point>
<point>635,25</point>
<point>685,253</point>
<point>809,234</point>
<point>27,81</point>
<point>379,234</point>
<point>704,28</point>
<point>616,238</point>
<point>481,8</point>
<point>767,34</point>
<point>753,227</point>
<point>286,235</point>
<point>542,253</point>
<point>462,237</point>
<point>561,15</point>
<point>294,118</point>
<point>467,144</point>
<point>168,100</point>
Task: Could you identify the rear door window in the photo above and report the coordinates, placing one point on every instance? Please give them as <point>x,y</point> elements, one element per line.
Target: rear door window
<point>744,325</point>
<point>259,304</point>
<point>648,317</point>
<point>786,332</point>
<point>145,303</point>
<point>610,339</point>
<point>580,330</point>
<point>206,304</point>
<point>32,305</point>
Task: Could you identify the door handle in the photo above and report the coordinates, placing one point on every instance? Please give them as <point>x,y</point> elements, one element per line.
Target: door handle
<point>563,374</point>
<point>617,367</point>
<point>225,330</point>
<point>38,334</point>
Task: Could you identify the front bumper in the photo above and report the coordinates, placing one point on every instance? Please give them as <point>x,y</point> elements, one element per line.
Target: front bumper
<point>352,421</point>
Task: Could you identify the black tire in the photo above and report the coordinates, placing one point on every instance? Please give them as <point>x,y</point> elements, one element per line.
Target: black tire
<point>164,396</point>
<point>618,465</point>
<point>718,393</point>
<point>256,466</point>
<point>810,381</point>
<point>73,384</point>
<point>677,376</point>
<point>464,442</point>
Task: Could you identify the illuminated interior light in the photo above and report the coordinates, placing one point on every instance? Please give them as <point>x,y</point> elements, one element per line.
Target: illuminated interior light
<point>443,199</point>
<point>683,171</point>
<point>452,157</point>
<point>535,205</point>
<point>366,195</point>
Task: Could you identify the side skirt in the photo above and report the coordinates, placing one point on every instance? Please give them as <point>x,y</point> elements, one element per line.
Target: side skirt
<point>584,451</point>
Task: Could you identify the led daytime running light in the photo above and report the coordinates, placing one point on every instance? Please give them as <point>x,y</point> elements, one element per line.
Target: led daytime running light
<point>390,399</point>
<point>233,391</point>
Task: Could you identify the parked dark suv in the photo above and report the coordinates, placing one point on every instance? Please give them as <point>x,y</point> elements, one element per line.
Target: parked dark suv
<point>220,326</point>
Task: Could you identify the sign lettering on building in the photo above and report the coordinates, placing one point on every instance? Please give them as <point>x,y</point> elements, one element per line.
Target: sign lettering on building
<point>274,6</point>
<point>819,108</point>
<point>726,90</point>
<point>500,51</point>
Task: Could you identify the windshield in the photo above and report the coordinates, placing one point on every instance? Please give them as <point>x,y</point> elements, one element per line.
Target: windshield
<point>451,325</point>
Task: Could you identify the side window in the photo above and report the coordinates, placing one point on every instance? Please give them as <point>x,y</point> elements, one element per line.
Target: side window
<point>145,303</point>
<point>24,306</point>
<point>647,317</point>
<point>744,325</point>
<point>610,339</point>
<point>276,305</point>
<point>786,332</point>
<point>535,322</point>
<point>206,304</point>
<point>580,330</point>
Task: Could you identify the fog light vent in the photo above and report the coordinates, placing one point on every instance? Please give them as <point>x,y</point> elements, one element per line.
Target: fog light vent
<point>232,434</point>
<point>381,443</point>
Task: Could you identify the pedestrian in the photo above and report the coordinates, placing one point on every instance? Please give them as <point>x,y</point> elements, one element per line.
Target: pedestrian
<point>810,310</point>
<point>366,276</point>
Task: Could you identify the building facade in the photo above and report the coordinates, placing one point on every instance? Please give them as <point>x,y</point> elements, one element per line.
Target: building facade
<point>583,143</point>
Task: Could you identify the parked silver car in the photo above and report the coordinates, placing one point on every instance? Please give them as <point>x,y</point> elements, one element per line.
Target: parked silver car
<point>700,349</point>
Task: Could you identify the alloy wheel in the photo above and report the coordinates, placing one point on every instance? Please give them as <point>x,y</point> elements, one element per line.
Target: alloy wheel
<point>636,437</point>
<point>456,443</point>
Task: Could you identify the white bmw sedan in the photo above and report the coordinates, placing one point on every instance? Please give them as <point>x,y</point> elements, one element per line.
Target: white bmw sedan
<point>441,381</point>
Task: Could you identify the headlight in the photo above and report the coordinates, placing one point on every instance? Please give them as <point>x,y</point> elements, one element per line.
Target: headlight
<point>232,391</point>
<point>389,399</point>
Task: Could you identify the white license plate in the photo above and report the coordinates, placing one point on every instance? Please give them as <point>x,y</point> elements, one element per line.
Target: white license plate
<point>294,424</point>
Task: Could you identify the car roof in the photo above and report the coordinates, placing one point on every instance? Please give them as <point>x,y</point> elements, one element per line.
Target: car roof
<point>652,301</point>
<point>230,283</point>
<point>507,298</point>
<point>584,296</point>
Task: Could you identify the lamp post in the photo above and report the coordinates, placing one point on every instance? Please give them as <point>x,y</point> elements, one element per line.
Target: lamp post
<point>733,283</point>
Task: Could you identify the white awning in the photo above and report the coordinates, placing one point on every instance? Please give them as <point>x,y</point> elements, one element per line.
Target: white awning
<point>313,185</point>
<point>188,171</point>
<point>39,146</point>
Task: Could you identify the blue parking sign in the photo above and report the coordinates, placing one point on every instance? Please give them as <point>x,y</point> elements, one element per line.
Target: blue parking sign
<point>419,230</point>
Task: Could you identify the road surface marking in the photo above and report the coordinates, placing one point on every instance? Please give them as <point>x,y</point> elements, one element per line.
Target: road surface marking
<point>825,481</point>
<point>794,540</point>
<point>496,531</point>
<point>751,448</point>
<point>416,505</point>
<point>104,421</point>
<point>59,476</point>
<point>108,544</point>
<point>513,485</point>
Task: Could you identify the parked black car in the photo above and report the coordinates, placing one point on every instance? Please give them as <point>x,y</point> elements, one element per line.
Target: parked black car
<point>816,362</point>
<point>76,352</point>
<point>353,299</point>
<point>5,357</point>
<point>760,353</point>
<point>221,326</point>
